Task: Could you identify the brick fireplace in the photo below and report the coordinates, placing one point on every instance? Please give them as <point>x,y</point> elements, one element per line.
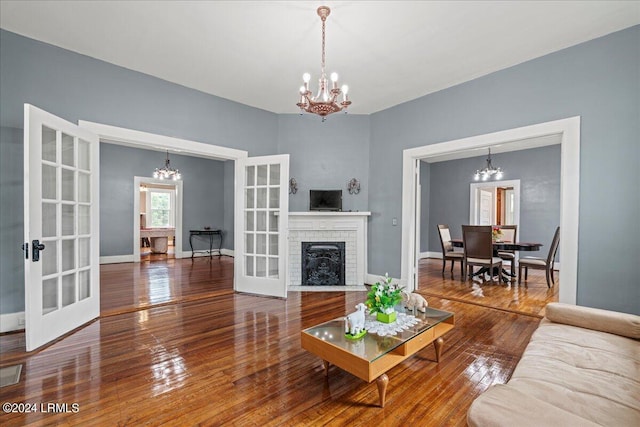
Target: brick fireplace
<point>348,228</point>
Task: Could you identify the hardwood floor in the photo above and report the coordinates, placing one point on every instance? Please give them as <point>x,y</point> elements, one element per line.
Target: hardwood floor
<point>130,287</point>
<point>209,356</point>
<point>529,297</point>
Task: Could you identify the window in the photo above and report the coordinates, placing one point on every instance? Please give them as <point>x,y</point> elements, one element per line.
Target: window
<point>161,203</point>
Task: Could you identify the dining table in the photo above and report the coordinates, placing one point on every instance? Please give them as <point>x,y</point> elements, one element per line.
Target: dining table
<point>499,245</point>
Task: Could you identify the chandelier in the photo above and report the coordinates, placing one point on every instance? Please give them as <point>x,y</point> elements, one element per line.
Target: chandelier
<point>167,172</point>
<point>488,171</point>
<point>325,101</point>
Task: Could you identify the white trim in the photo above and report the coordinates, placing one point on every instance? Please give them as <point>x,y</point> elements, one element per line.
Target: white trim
<point>370,279</point>
<point>569,130</point>
<point>227,252</point>
<point>198,254</point>
<point>150,141</point>
<point>430,254</point>
<point>11,322</point>
<point>116,259</point>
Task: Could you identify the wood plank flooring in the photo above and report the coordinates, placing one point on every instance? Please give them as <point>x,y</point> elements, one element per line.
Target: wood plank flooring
<point>208,356</point>
<point>529,297</point>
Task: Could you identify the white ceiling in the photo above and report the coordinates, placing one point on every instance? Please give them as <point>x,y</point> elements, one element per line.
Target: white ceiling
<point>255,52</point>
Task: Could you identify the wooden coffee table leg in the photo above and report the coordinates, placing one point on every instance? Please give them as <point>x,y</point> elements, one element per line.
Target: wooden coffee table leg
<point>326,368</point>
<point>382,382</point>
<point>438,346</point>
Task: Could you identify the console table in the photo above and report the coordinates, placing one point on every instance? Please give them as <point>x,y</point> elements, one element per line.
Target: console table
<point>210,235</point>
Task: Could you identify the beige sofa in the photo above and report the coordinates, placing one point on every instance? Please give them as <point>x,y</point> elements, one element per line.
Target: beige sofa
<point>581,368</point>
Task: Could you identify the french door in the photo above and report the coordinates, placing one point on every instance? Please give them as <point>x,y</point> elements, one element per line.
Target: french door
<point>61,244</point>
<point>261,225</point>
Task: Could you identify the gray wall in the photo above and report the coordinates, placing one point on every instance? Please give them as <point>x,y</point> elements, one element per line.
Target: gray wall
<point>11,214</point>
<point>326,156</point>
<point>229,198</point>
<point>203,198</point>
<point>537,169</point>
<point>76,87</point>
<point>599,81</point>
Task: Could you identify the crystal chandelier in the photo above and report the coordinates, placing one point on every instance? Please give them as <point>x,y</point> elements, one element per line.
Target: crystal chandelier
<point>325,101</point>
<point>167,172</point>
<point>488,171</point>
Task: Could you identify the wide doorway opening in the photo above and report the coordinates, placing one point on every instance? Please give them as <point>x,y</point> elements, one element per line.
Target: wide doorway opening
<point>564,133</point>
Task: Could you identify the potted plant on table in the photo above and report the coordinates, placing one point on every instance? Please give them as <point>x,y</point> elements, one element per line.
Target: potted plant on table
<point>382,298</point>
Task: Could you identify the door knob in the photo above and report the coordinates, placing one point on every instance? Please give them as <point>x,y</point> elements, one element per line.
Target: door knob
<point>36,247</point>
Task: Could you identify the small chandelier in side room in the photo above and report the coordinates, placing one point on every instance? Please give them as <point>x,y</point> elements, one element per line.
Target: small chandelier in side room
<point>488,171</point>
<point>167,172</point>
<point>325,101</point>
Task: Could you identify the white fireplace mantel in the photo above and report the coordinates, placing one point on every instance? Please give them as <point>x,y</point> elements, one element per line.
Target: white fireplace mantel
<point>349,227</point>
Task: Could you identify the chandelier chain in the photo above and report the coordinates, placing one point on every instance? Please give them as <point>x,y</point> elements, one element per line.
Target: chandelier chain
<point>324,20</point>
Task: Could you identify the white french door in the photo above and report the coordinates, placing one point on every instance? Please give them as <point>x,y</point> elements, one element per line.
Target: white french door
<point>61,184</point>
<point>261,225</point>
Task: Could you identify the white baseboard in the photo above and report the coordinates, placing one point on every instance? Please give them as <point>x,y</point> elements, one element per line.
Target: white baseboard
<point>11,322</point>
<point>198,254</point>
<point>116,259</point>
<point>370,279</point>
<point>429,254</point>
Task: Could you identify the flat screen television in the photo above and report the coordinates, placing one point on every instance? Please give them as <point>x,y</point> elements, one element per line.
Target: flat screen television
<point>325,200</point>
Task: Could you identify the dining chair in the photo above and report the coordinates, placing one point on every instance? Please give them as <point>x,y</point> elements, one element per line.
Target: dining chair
<point>478,249</point>
<point>509,235</point>
<point>447,249</point>
<point>538,263</point>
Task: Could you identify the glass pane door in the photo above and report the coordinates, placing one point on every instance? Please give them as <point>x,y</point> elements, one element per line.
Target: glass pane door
<point>261,260</point>
<point>61,210</point>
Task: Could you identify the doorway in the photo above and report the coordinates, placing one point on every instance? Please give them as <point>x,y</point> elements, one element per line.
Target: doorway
<point>494,203</point>
<point>157,219</point>
<point>243,165</point>
<point>565,132</point>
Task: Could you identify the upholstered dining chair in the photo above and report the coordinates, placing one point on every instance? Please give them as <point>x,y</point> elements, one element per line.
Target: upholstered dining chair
<point>478,249</point>
<point>537,263</point>
<point>447,249</point>
<point>509,234</point>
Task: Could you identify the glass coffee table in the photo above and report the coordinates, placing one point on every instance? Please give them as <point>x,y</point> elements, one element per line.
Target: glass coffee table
<point>371,356</point>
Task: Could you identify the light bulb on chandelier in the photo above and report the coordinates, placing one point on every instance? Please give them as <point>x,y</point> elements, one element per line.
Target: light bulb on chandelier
<point>488,171</point>
<point>167,172</point>
<point>325,101</point>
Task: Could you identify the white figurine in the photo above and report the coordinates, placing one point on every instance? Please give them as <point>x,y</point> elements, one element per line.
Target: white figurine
<point>354,322</point>
<point>414,301</point>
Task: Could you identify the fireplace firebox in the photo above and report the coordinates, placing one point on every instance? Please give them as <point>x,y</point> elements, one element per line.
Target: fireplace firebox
<point>323,263</point>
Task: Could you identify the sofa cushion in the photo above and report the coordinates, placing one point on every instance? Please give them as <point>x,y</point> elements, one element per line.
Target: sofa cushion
<point>627,325</point>
<point>567,376</point>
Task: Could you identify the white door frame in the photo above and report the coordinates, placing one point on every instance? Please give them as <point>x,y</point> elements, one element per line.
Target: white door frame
<point>569,132</point>
<point>139,180</point>
<point>148,141</point>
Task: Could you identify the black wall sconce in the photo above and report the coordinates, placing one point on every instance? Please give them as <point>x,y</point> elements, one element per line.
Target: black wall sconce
<point>353,186</point>
<point>293,186</point>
